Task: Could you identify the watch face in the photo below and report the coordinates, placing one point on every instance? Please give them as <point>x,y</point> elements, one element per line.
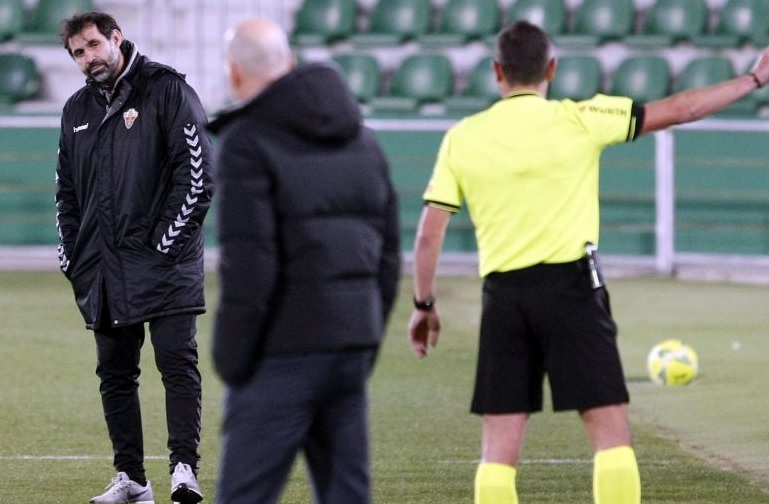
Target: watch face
<point>426,305</point>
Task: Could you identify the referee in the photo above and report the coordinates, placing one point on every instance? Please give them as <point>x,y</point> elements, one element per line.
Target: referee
<point>527,170</point>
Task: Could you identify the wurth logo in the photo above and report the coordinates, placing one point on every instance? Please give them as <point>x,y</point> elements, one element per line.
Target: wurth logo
<point>196,187</point>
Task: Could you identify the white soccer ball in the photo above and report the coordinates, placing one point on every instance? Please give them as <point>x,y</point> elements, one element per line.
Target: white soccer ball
<point>672,363</point>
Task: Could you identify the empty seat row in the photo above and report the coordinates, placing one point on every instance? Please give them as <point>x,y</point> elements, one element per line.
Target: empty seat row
<point>428,78</point>
<point>41,23</point>
<point>323,22</point>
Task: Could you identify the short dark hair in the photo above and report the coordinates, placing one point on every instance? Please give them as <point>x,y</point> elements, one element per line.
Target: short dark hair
<point>70,27</point>
<point>523,51</point>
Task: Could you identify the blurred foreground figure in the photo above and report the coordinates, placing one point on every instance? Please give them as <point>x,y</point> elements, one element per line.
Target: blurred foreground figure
<point>309,241</point>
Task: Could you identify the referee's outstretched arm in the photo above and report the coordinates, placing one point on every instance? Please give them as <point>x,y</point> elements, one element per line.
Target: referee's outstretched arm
<point>698,103</point>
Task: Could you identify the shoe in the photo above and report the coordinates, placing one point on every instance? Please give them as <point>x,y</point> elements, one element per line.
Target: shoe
<point>184,485</point>
<point>122,490</point>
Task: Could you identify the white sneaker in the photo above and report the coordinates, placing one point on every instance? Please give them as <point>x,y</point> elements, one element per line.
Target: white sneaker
<point>122,490</point>
<point>184,485</point>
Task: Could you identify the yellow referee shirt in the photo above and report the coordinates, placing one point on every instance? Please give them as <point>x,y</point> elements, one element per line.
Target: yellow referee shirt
<point>527,169</point>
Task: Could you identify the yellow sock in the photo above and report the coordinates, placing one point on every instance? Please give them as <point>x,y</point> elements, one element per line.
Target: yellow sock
<point>495,484</point>
<point>615,477</point>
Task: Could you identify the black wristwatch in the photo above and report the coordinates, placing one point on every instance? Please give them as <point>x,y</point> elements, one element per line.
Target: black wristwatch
<point>426,305</point>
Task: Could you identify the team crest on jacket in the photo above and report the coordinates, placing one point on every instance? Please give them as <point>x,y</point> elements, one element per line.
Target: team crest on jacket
<point>129,116</point>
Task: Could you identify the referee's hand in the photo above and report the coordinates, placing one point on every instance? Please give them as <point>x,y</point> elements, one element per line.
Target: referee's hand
<point>424,330</point>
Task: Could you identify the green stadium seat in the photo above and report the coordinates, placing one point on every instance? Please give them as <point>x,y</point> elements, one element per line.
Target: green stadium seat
<point>362,73</point>
<point>322,22</point>
<point>393,22</point>
<point>708,70</point>
<point>462,21</point>
<point>44,22</point>
<point>19,78</point>
<point>739,22</point>
<point>550,15</point>
<point>576,78</point>
<point>704,71</point>
<point>481,91</point>
<point>669,22</point>
<point>643,78</point>
<point>420,78</point>
<point>11,18</point>
<point>598,22</point>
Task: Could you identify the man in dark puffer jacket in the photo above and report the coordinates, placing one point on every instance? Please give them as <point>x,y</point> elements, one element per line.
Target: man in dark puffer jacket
<point>132,190</point>
<point>310,258</point>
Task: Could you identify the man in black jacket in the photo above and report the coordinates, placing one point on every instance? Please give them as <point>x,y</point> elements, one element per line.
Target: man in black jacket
<point>310,257</point>
<point>133,187</point>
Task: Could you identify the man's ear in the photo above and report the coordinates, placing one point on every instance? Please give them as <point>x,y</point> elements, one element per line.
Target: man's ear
<point>498,72</point>
<point>117,37</point>
<point>552,66</point>
<point>234,76</point>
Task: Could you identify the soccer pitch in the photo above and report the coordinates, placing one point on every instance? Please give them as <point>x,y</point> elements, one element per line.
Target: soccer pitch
<point>704,443</point>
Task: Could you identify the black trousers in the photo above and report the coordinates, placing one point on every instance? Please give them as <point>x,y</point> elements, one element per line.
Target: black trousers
<point>176,356</point>
<point>315,404</point>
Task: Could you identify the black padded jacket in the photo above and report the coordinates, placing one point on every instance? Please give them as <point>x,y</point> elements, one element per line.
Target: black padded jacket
<point>133,186</point>
<point>307,219</point>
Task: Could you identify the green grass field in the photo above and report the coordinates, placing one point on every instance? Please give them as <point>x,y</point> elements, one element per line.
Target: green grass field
<point>705,443</point>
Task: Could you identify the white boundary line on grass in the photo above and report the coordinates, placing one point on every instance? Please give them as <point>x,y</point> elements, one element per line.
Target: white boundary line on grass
<point>70,457</point>
<point>551,461</point>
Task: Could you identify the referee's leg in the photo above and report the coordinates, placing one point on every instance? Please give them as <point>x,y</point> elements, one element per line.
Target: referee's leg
<point>502,441</point>
<point>616,479</point>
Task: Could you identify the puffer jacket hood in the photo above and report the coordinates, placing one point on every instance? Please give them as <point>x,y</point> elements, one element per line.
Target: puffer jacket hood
<point>329,110</point>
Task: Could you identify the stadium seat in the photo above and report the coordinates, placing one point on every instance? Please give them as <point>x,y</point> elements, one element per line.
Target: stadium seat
<point>642,78</point>
<point>11,18</point>
<point>321,22</point>
<point>707,70</point>
<point>669,22</point>
<point>550,15</point>
<point>462,21</point>
<point>598,22</point>
<point>481,90</point>
<point>704,71</point>
<point>394,22</point>
<point>362,73</point>
<point>19,78</point>
<point>420,78</point>
<point>739,22</point>
<point>576,78</point>
<point>43,26</point>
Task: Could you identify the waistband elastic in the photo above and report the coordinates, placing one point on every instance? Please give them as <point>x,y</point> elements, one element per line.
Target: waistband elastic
<point>540,270</point>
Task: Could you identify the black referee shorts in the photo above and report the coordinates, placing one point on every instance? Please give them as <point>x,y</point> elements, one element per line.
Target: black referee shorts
<point>546,320</point>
